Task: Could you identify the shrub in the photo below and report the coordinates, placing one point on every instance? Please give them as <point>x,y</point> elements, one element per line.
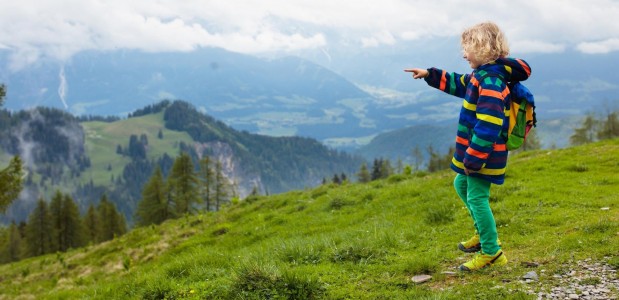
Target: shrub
<point>358,251</point>
<point>421,265</point>
<point>299,252</point>
<point>579,168</point>
<point>264,281</point>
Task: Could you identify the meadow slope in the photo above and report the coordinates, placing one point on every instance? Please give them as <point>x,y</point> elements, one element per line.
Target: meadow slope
<point>355,241</point>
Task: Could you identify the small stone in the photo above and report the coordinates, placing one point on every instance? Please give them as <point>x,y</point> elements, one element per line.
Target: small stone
<point>530,264</point>
<point>605,208</point>
<point>573,296</point>
<point>421,278</point>
<point>531,275</point>
<point>449,273</point>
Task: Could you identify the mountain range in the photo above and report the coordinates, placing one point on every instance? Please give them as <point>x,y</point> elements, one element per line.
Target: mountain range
<point>343,99</point>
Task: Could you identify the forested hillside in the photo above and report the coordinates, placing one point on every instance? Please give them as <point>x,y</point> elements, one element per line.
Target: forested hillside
<point>92,156</point>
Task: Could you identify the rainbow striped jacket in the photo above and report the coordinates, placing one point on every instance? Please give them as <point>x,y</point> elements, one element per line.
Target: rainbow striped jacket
<point>480,146</point>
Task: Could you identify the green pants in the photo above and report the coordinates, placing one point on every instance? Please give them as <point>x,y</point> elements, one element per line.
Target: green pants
<point>475,193</point>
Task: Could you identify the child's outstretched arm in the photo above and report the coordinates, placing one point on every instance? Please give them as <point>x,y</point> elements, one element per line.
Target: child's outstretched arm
<point>418,73</point>
<point>451,83</point>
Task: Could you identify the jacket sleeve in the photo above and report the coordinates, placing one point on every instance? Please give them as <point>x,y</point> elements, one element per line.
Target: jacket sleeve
<point>490,115</point>
<point>451,83</point>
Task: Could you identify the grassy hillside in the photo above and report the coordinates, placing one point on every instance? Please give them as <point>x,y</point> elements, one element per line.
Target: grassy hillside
<point>357,241</point>
<point>102,139</point>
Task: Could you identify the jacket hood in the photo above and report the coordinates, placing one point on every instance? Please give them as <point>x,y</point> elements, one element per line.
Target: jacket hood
<point>512,69</point>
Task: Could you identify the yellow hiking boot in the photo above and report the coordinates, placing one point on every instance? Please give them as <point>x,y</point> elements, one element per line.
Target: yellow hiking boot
<point>482,260</point>
<point>473,244</point>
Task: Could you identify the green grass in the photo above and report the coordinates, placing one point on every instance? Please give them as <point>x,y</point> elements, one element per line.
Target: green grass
<point>356,241</point>
<point>102,139</point>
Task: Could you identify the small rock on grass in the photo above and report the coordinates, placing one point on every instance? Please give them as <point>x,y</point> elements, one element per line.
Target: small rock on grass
<point>530,264</point>
<point>421,278</point>
<point>531,276</point>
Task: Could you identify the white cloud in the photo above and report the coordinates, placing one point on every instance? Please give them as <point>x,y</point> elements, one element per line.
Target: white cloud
<point>533,46</point>
<point>32,29</point>
<point>604,46</point>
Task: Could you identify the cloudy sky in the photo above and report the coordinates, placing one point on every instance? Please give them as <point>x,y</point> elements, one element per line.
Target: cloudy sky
<point>34,29</point>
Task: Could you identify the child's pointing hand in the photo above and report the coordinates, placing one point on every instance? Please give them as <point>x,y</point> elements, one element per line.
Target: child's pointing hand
<point>418,73</point>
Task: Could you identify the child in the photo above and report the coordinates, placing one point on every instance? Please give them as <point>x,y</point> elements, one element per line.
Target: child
<point>481,156</point>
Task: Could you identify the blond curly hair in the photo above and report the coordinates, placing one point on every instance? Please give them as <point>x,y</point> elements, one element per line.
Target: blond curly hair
<point>486,41</point>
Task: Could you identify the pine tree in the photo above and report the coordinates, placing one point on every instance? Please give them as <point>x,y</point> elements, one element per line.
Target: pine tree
<point>386,169</point>
<point>585,133</point>
<point>364,174</point>
<point>183,184</point>
<point>92,225</point>
<point>112,223</point>
<point>609,128</point>
<point>206,179</point>
<point>11,176</point>
<point>57,216</point>
<point>376,172</point>
<point>336,179</point>
<point>72,228</point>
<point>153,208</point>
<point>14,245</point>
<point>221,187</point>
<point>10,181</point>
<point>40,231</point>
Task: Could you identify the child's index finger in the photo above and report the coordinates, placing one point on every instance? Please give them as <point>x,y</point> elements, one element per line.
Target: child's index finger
<point>409,70</point>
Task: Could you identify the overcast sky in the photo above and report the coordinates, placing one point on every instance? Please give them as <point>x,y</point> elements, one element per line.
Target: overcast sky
<point>32,29</point>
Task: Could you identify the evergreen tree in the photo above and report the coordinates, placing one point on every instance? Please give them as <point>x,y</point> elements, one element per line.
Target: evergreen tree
<point>92,225</point>
<point>336,179</point>
<point>221,187</point>
<point>14,245</point>
<point>364,174</point>
<point>439,162</point>
<point>10,181</point>
<point>57,216</point>
<point>435,160</point>
<point>609,128</point>
<point>376,169</point>
<point>112,223</point>
<point>586,132</point>
<point>385,169</point>
<point>4,241</point>
<point>183,184</point>
<point>153,208</point>
<point>206,179</point>
<point>40,231</point>
<point>68,227</point>
<point>11,176</point>
<point>72,230</point>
